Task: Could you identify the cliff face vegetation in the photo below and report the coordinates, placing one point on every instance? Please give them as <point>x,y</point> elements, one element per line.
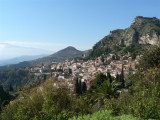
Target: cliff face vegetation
<point>143,32</point>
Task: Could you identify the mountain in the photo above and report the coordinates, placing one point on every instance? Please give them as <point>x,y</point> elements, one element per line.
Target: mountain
<point>20,59</point>
<point>142,33</point>
<point>9,51</point>
<point>67,53</point>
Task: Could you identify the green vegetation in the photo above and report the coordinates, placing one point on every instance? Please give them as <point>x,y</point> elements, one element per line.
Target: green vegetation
<point>4,97</point>
<point>103,115</point>
<point>80,87</point>
<point>44,103</point>
<point>15,79</point>
<point>139,100</point>
<point>143,96</point>
<point>134,49</point>
<point>151,58</point>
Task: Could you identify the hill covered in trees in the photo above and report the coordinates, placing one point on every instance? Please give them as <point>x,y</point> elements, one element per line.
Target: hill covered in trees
<point>19,78</point>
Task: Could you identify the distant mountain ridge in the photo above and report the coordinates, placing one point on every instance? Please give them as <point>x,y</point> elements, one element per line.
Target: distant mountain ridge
<point>66,53</point>
<point>20,59</point>
<point>9,51</point>
<point>143,31</point>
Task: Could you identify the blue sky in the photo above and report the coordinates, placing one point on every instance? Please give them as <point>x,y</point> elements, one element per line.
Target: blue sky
<point>55,24</point>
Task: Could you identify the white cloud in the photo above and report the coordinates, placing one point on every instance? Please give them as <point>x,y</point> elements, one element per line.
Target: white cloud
<point>2,46</point>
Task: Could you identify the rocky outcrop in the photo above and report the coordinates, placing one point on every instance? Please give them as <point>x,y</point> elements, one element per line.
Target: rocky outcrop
<point>153,39</point>
<point>143,30</point>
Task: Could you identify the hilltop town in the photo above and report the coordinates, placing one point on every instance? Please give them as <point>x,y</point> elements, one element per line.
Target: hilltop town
<point>67,71</point>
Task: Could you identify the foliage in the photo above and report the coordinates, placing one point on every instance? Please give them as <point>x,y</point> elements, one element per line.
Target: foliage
<point>103,115</point>
<point>151,58</point>
<point>84,87</point>
<point>101,88</point>
<point>10,88</point>
<point>122,78</point>
<point>143,97</point>
<point>100,78</point>
<point>77,87</point>
<point>44,103</point>
<point>15,79</point>
<point>4,97</point>
<point>140,99</point>
<point>80,87</point>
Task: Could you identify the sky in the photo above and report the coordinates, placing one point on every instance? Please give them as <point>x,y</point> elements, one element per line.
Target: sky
<point>52,25</point>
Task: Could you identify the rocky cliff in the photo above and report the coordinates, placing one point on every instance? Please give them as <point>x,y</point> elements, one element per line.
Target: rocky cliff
<point>142,31</point>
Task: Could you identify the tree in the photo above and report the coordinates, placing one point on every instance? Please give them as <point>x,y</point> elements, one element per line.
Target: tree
<point>102,59</point>
<point>113,57</point>
<point>84,87</point>
<point>4,97</point>
<point>80,87</point>
<point>109,77</point>
<point>122,77</point>
<point>100,78</point>
<point>77,87</point>
<point>70,71</point>
<point>117,78</point>
<point>107,89</point>
<point>150,59</point>
<point>10,88</point>
<point>133,55</point>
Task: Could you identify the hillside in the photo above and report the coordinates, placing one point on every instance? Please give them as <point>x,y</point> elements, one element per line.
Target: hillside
<point>142,33</point>
<point>67,53</point>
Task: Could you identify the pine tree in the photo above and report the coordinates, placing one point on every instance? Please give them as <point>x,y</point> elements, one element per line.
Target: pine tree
<point>80,87</point>
<point>122,77</point>
<point>84,87</point>
<point>117,78</point>
<point>3,95</point>
<point>10,88</point>
<point>77,87</point>
<point>70,71</point>
<point>102,59</point>
<point>109,77</point>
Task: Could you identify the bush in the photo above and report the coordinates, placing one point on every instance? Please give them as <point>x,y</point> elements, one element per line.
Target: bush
<point>44,103</point>
<point>103,115</point>
<point>150,59</point>
<point>142,98</point>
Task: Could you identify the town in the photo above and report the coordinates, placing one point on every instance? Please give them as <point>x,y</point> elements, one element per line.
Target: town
<point>67,71</point>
